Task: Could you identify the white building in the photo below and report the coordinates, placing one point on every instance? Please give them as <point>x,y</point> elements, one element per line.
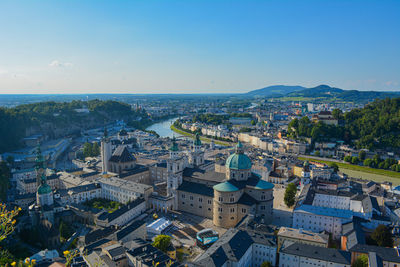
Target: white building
<point>304,255</point>
<point>240,248</point>
<point>318,219</point>
<point>123,191</point>
<point>123,215</point>
<point>25,174</point>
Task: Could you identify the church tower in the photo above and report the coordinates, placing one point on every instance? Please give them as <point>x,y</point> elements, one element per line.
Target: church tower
<point>105,152</point>
<point>175,166</point>
<point>39,165</point>
<point>196,155</point>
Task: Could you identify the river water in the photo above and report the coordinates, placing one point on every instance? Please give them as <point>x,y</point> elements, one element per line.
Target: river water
<point>164,128</point>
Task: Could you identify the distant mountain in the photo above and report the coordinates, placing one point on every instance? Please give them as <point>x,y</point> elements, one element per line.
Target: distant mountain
<point>322,92</point>
<point>325,91</point>
<point>275,90</point>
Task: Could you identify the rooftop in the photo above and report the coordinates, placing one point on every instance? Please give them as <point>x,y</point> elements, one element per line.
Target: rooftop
<point>320,253</point>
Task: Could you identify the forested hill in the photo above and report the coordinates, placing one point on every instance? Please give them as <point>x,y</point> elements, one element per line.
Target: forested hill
<point>377,125</point>
<point>59,119</point>
<point>331,93</point>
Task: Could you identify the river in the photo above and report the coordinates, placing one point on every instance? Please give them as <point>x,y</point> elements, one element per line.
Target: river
<point>163,128</point>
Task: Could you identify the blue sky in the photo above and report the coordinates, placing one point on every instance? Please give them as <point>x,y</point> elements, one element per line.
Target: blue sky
<point>197,46</point>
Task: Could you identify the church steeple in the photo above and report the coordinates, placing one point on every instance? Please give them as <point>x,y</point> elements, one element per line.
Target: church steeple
<point>105,132</point>
<point>39,165</point>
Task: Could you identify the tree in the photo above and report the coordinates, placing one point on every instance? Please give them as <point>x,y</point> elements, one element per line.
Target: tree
<point>7,221</point>
<point>382,236</point>
<point>95,149</point>
<point>266,264</point>
<point>10,160</point>
<point>253,122</point>
<point>376,160</point>
<point>65,230</point>
<point>354,160</point>
<point>87,149</point>
<point>362,154</point>
<point>334,166</point>
<point>361,261</point>
<point>5,174</point>
<point>347,159</point>
<point>368,162</point>
<point>290,195</point>
<point>337,114</point>
<point>245,130</point>
<point>162,242</point>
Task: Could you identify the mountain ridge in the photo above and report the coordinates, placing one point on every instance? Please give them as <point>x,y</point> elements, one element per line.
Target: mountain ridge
<point>321,91</point>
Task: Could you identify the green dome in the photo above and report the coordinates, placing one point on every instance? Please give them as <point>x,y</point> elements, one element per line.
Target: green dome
<point>197,141</point>
<point>44,189</point>
<point>174,147</point>
<point>225,187</point>
<point>238,162</point>
<point>263,185</point>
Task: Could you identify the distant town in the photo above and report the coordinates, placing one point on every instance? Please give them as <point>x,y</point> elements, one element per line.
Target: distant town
<point>259,179</point>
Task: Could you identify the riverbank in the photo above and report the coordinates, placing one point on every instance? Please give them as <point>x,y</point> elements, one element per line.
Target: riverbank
<point>205,139</point>
<point>364,172</point>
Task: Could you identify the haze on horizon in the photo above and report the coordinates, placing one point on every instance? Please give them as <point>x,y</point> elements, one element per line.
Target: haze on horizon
<point>197,46</point>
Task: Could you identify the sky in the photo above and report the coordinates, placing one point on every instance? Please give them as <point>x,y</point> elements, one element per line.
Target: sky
<point>199,46</point>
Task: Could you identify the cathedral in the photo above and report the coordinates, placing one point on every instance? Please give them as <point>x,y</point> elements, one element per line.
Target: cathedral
<point>196,186</point>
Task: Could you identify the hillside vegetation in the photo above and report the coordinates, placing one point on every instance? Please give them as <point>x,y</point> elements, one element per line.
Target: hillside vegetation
<point>59,119</point>
<point>377,125</point>
<point>331,93</point>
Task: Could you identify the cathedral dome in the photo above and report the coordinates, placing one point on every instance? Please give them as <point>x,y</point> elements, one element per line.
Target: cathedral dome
<point>44,189</point>
<point>238,160</point>
<point>225,187</point>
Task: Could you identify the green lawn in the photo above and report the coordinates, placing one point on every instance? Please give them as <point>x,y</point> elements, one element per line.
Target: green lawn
<point>101,203</point>
<point>363,171</point>
<point>208,140</point>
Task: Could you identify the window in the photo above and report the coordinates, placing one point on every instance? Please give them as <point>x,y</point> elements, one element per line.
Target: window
<point>232,210</point>
<point>243,210</point>
<point>220,199</point>
<point>209,202</point>
<point>200,199</point>
<point>191,197</point>
<point>232,199</point>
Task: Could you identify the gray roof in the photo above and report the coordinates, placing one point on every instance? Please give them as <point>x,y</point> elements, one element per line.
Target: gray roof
<point>386,254</point>
<point>109,217</point>
<point>98,234</point>
<point>147,254</point>
<point>196,188</point>
<point>116,251</point>
<point>122,154</point>
<point>129,229</point>
<point>232,246</point>
<point>202,174</point>
<point>320,253</point>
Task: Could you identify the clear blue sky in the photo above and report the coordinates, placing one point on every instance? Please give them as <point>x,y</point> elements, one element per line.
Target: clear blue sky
<point>197,46</point>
